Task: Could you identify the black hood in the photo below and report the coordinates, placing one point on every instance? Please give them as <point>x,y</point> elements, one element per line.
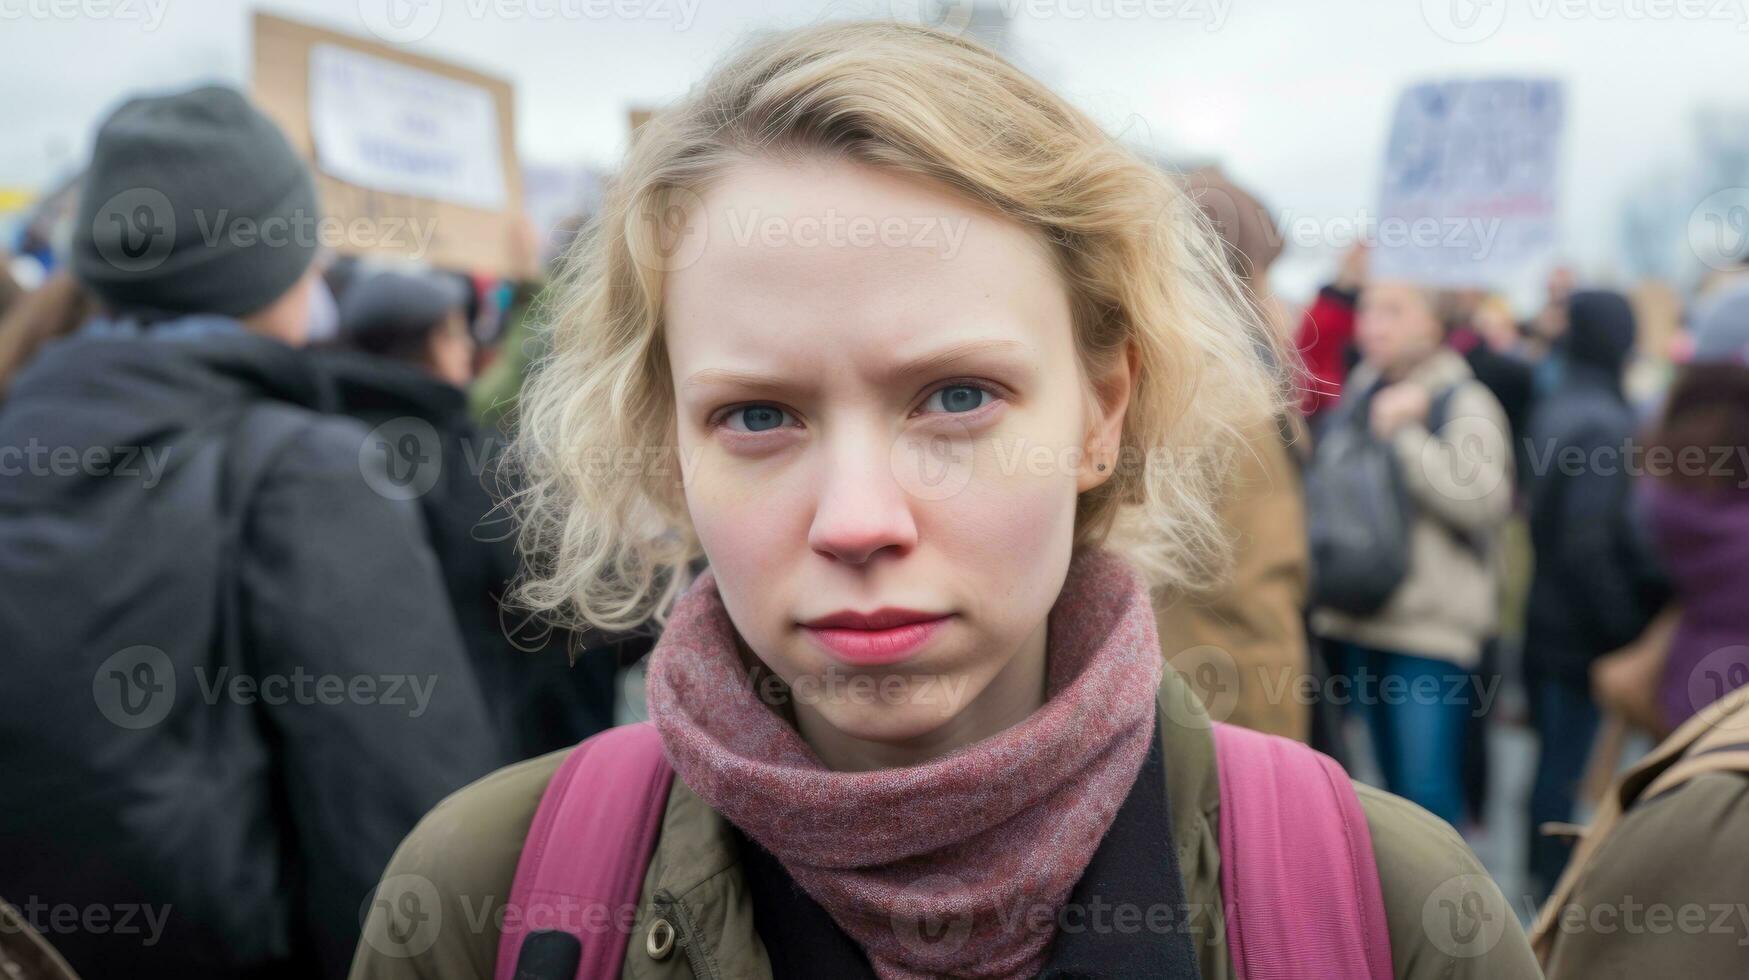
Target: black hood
<point>129,392</point>
<point>1600,330</point>
<point>372,387</point>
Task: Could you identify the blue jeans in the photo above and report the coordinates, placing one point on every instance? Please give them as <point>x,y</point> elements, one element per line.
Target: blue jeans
<point>1566,722</point>
<point>1415,709</point>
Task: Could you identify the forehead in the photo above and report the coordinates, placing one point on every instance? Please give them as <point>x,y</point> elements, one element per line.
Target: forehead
<point>823,259</point>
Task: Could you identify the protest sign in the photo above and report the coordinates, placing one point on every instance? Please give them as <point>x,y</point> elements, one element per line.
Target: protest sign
<point>1469,196</point>
<point>414,157</point>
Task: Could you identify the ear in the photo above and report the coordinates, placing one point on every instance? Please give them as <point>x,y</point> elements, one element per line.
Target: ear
<point>1109,402</point>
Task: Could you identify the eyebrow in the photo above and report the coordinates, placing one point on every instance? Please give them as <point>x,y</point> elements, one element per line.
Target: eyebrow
<point>919,365</point>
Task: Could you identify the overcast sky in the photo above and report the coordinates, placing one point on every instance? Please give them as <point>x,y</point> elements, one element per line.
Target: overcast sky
<point>1292,97</point>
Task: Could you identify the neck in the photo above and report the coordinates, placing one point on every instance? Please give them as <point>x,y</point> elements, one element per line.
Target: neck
<point>1407,366</point>
<point>1016,691</point>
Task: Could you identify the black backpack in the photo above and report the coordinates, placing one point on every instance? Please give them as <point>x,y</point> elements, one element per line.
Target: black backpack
<point>1359,513</point>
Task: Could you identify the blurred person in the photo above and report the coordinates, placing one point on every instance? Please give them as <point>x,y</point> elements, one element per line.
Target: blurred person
<point>1589,591</point>
<point>1037,755</point>
<point>1655,887</point>
<point>1326,336</point>
<point>1670,835</point>
<point>1483,331</point>
<point>1697,508</point>
<point>233,680</point>
<point>1446,440</point>
<point>47,313</point>
<point>407,358</point>
<point>1255,619</point>
<point>10,289</point>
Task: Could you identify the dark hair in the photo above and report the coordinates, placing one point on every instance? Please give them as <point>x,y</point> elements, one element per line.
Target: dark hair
<point>1708,408</point>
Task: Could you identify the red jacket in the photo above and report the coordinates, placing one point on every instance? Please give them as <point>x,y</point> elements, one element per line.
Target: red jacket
<point>1326,332</point>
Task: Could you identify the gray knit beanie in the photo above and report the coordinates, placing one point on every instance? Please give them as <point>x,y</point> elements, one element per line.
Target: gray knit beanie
<point>1721,330</point>
<point>193,203</point>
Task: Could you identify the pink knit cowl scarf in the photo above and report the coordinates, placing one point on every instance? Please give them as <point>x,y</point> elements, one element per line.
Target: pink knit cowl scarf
<point>950,866</point>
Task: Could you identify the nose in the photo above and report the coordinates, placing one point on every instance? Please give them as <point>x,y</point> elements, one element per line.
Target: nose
<point>862,509</point>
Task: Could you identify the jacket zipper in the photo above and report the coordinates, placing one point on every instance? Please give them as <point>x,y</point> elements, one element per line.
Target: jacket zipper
<point>686,935</point>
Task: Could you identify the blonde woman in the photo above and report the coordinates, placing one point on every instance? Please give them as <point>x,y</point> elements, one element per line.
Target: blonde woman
<point>937,377</point>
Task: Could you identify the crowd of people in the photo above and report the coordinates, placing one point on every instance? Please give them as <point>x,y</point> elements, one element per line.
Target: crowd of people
<point>303,591</point>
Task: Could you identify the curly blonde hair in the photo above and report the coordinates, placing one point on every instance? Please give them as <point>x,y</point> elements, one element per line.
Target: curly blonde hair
<point>611,546</point>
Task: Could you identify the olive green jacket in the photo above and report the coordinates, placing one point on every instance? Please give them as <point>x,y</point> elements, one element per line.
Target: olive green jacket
<point>434,917</point>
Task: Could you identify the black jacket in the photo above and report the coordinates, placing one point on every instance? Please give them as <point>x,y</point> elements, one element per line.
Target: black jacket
<point>1595,582</point>
<point>538,699</point>
<point>246,794</point>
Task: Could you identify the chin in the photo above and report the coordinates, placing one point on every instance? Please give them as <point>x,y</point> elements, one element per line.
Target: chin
<point>887,724</point>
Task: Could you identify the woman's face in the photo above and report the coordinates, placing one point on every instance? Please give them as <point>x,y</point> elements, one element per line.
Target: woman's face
<point>880,405</point>
<point>1395,328</point>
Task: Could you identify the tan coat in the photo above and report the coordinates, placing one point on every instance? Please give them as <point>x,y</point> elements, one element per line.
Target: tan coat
<point>1656,886</point>
<point>434,919</point>
<point>1460,480</point>
<point>1242,646</point>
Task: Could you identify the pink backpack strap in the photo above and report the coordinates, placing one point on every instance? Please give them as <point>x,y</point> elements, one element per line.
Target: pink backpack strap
<point>1298,879</point>
<point>582,865</point>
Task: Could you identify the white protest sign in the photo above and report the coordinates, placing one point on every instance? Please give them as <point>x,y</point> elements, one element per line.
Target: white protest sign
<point>1469,196</point>
<point>395,128</point>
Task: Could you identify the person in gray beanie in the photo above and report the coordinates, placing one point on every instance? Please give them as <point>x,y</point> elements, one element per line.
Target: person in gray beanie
<point>233,677</point>
<point>194,203</point>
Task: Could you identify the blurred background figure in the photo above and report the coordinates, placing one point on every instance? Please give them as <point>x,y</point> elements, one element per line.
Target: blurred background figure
<point>233,677</point>
<point>1697,504</point>
<point>1326,337</point>
<point>1244,642</point>
<point>406,357</point>
<point>1410,660</point>
<point>1595,585</point>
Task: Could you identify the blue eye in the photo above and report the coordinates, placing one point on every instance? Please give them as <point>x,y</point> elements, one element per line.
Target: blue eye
<point>759,418</point>
<point>956,399</point>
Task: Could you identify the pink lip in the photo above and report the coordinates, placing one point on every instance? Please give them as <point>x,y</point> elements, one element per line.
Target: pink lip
<point>874,647</point>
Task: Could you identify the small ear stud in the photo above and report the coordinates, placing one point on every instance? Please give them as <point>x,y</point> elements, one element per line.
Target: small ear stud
<point>1102,467</point>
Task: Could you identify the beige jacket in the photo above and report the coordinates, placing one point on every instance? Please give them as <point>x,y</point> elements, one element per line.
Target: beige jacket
<point>1461,481</point>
